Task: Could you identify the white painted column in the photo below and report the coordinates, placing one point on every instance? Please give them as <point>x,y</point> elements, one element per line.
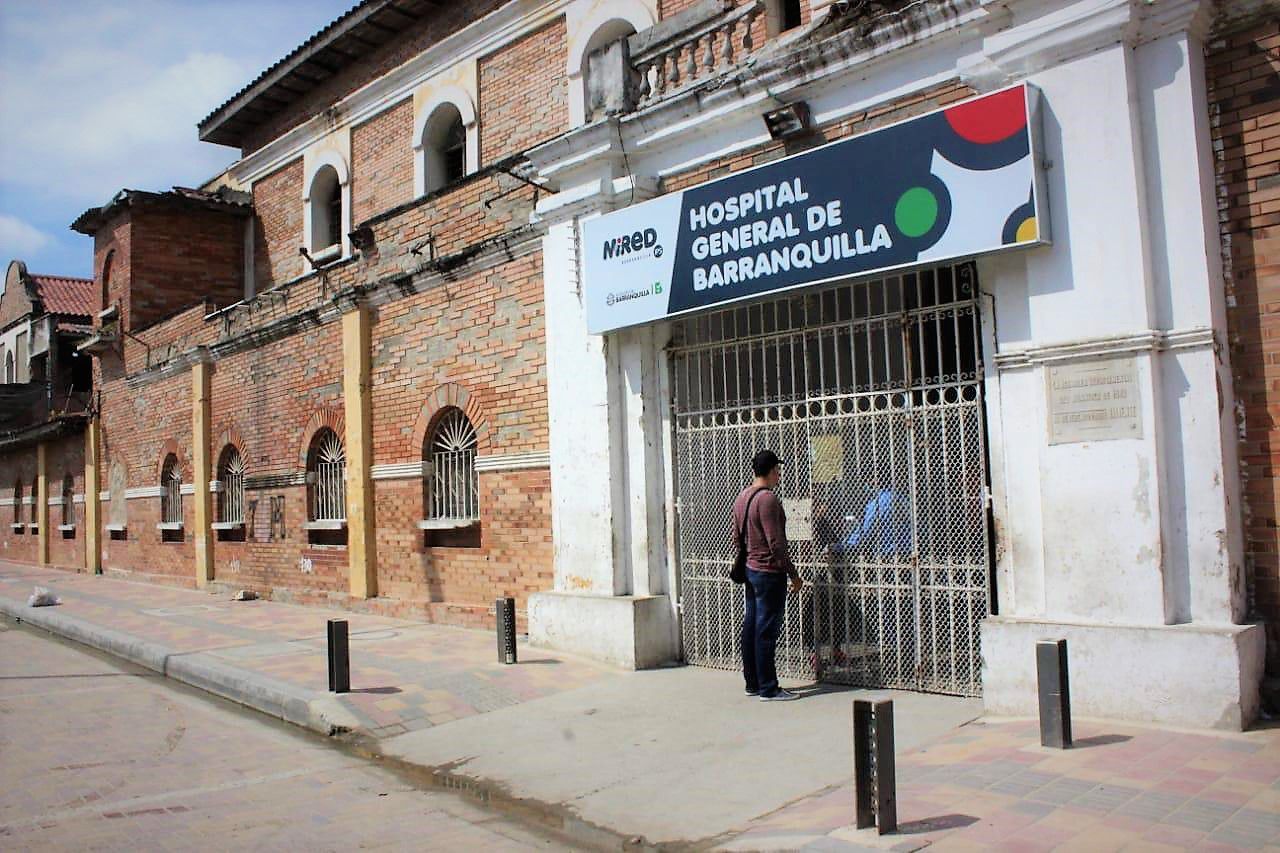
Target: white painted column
<point>607,481</point>
<point>1128,548</point>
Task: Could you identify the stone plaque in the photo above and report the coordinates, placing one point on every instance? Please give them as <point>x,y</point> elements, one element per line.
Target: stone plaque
<point>1093,401</point>
<point>799,518</point>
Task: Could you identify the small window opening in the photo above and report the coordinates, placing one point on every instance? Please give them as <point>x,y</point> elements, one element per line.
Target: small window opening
<point>231,495</point>
<point>326,210</point>
<point>171,500</point>
<point>17,508</point>
<point>327,489</point>
<point>68,526</point>
<point>452,493</point>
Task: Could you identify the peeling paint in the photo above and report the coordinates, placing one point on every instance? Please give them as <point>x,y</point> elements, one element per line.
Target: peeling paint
<point>1142,491</point>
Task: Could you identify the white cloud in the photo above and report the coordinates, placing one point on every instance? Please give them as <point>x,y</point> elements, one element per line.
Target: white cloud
<point>18,239</point>
<point>95,97</point>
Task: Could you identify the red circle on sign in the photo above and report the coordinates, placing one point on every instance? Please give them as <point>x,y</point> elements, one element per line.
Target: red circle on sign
<point>990,119</point>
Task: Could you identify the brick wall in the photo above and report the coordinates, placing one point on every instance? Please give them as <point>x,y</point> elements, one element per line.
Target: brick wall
<point>1244,103</point>
<point>269,402</point>
<point>17,468</point>
<point>382,162</point>
<point>437,24</point>
<point>64,455</point>
<point>484,340</point>
<point>179,257</point>
<point>140,426</point>
<point>523,93</point>
<point>14,304</point>
<point>113,244</point>
<point>277,229</point>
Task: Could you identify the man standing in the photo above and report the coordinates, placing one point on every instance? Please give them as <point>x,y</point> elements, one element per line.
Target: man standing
<point>758,511</point>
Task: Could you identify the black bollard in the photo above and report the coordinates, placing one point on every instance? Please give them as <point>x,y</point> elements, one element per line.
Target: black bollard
<point>1055,693</point>
<point>505,611</point>
<point>339,660</point>
<point>874,770</point>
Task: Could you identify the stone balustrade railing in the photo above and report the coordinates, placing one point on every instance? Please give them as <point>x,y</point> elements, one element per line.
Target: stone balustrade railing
<point>709,47</point>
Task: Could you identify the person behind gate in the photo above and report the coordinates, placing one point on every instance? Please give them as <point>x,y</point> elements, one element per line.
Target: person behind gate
<point>759,521</point>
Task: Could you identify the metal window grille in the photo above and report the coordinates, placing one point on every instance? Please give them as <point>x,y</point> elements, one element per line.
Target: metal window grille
<point>171,492</point>
<point>327,479</point>
<point>454,485</point>
<point>68,500</point>
<point>231,487</point>
<point>871,393</point>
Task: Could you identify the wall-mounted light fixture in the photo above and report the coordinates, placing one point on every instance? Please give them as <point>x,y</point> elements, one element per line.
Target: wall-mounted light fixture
<point>788,120</point>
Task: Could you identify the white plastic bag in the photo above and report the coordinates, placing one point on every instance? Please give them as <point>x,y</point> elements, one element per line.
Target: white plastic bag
<point>43,598</point>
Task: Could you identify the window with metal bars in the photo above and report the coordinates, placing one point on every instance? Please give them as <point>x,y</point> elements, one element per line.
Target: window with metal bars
<point>170,491</point>
<point>326,478</point>
<point>34,518</point>
<point>231,486</point>
<point>68,501</point>
<point>17,506</point>
<point>452,487</point>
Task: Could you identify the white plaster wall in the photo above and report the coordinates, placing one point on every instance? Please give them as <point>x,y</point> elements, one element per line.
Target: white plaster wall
<point>582,517</point>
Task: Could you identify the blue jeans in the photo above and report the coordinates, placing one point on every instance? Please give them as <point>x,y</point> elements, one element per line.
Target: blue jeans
<point>766,594</point>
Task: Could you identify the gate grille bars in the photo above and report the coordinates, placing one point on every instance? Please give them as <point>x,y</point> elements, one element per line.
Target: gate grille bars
<point>871,393</point>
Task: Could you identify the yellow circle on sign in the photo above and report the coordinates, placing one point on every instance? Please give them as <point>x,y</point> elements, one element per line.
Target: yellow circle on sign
<point>1027,231</point>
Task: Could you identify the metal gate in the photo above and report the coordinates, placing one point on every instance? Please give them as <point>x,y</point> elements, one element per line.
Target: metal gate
<point>872,395</point>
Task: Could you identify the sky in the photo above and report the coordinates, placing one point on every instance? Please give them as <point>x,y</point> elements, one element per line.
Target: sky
<point>96,97</point>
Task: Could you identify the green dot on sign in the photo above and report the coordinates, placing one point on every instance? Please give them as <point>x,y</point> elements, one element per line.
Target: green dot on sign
<point>915,212</point>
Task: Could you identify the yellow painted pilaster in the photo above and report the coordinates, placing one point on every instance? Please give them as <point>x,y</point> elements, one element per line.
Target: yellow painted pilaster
<point>203,471</point>
<point>92,499</point>
<point>42,503</point>
<point>359,439</point>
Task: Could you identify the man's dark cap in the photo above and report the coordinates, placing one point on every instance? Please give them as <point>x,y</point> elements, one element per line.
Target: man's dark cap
<point>764,462</point>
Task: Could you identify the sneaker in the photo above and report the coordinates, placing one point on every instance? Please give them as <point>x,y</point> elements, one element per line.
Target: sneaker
<point>752,691</point>
<point>780,696</point>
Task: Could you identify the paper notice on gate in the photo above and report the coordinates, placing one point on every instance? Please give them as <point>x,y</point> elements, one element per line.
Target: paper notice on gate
<point>799,518</point>
<point>826,458</point>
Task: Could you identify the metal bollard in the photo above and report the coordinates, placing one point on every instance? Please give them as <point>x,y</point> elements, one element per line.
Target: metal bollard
<point>339,660</point>
<point>874,770</point>
<point>1055,693</point>
<point>505,611</point>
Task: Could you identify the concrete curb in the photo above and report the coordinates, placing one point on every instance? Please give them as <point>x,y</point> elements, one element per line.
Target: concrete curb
<point>315,711</point>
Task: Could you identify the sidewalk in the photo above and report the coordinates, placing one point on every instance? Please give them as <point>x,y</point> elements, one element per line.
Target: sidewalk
<point>672,756</point>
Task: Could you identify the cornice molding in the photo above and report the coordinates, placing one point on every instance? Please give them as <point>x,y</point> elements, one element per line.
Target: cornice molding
<point>514,461</point>
<point>472,42</point>
<point>1146,341</point>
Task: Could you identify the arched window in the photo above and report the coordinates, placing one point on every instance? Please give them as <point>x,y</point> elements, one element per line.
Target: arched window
<point>326,210</point>
<point>17,506</point>
<point>444,148</point>
<point>10,371</point>
<point>607,34</point>
<point>326,477</point>
<point>171,492</point>
<point>453,491</point>
<point>68,502</point>
<point>106,279</point>
<point>231,486</point>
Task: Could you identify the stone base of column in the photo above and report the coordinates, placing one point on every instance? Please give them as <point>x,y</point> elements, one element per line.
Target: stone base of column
<point>1201,676</point>
<point>635,632</point>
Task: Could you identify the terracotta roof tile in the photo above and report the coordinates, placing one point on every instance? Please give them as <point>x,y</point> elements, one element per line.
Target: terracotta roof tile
<point>65,295</point>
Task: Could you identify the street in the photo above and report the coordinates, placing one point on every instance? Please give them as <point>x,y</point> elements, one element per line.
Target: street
<point>103,756</point>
